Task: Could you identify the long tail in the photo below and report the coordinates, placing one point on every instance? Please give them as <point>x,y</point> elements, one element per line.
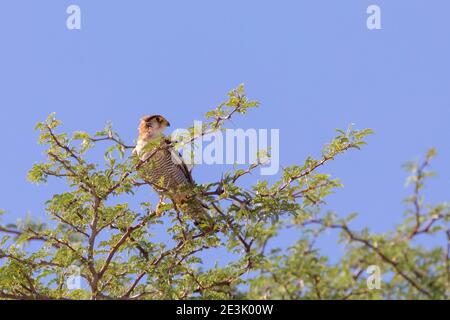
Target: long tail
<point>198,212</point>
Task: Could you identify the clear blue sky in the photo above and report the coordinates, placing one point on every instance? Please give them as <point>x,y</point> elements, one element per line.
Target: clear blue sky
<point>313,65</point>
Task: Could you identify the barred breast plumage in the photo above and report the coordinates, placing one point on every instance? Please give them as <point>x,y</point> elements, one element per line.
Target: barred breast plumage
<point>162,170</point>
<point>170,176</point>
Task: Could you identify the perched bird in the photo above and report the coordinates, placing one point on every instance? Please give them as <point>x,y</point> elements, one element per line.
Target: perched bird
<point>166,171</point>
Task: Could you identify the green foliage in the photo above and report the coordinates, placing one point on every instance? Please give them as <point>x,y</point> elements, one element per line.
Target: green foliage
<point>95,230</point>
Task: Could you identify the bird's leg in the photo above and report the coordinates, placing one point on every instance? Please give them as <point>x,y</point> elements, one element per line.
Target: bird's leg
<point>161,203</point>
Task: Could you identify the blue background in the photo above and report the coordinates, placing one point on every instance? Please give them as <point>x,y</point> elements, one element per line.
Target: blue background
<point>313,65</point>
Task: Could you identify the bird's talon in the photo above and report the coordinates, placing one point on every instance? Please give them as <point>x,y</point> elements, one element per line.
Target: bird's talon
<point>159,209</point>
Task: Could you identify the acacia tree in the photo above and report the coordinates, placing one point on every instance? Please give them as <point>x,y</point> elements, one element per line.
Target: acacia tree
<point>113,246</point>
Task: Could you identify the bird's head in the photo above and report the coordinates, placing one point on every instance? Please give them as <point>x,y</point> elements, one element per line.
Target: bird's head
<point>151,126</point>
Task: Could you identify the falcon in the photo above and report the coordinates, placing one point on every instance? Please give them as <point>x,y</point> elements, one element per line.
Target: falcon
<point>164,169</point>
